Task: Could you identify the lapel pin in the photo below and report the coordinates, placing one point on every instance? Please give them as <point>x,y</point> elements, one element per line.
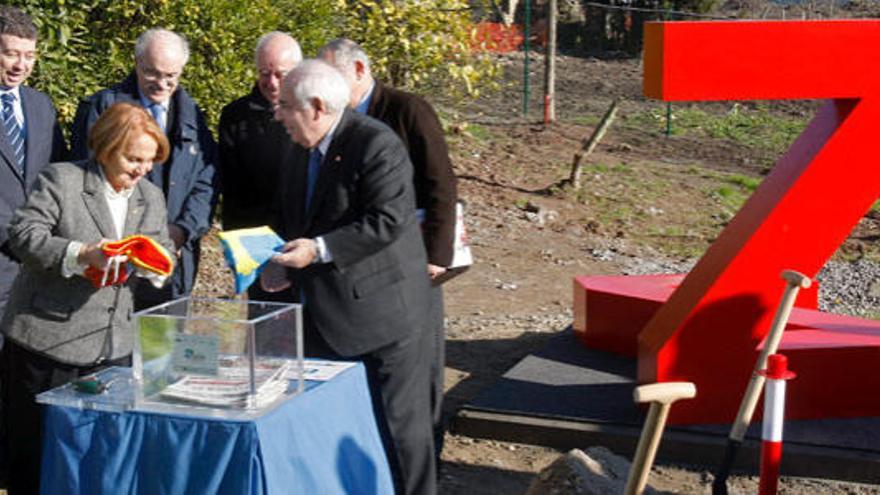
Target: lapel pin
<point>337,158</point>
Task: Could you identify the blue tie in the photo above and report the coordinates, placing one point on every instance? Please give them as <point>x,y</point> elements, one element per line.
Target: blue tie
<point>315,157</point>
<point>14,132</point>
<point>158,112</point>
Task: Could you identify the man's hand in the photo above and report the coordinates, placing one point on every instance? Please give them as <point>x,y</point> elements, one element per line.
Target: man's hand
<point>435,271</point>
<point>92,255</point>
<point>298,253</point>
<point>273,278</point>
<point>178,235</point>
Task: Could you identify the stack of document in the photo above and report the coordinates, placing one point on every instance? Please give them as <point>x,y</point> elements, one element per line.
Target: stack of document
<point>231,387</point>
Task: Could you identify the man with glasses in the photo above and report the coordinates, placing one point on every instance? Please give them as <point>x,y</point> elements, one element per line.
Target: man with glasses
<point>188,177</point>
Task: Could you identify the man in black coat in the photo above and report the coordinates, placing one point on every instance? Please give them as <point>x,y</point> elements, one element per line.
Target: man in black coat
<point>188,177</point>
<point>357,260</point>
<point>417,125</point>
<point>253,145</point>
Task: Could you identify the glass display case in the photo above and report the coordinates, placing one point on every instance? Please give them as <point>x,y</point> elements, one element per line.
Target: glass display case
<point>217,357</point>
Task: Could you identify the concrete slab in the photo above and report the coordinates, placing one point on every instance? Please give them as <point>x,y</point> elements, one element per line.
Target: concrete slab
<point>567,396</point>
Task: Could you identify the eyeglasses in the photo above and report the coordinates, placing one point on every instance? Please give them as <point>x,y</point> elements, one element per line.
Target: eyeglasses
<point>153,75</point>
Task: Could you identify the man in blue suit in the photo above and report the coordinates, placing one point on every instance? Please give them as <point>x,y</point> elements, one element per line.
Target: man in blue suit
<point>188,177</point>
<point>30,138</point>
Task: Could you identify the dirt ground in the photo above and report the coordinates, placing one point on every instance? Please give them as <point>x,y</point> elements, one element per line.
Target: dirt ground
<point>647,197</point>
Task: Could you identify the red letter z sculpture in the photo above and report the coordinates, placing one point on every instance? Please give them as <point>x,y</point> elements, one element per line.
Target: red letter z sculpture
<point>708,327</point>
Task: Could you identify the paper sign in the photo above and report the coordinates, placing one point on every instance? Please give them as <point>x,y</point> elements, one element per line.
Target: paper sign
<point>195,354</point>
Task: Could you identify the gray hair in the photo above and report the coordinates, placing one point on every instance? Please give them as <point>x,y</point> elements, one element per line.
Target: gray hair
<point>266,38</point>
<point>345,53</point>
<point>16,23</point>
<point>314,78</point>
<point>156,34</point>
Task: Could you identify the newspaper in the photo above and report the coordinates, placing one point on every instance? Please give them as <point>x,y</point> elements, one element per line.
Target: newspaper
<point>231,387</point>
<point>320,370</point>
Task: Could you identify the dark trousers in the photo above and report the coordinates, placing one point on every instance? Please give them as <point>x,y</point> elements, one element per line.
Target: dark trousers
<point>147,296</point>
<point>398,377</point>
<point>26,374</point>
<point>437,328</point>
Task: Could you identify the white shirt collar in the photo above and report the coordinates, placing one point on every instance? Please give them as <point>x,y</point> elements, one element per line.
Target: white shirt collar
<point>17,106</point>
<point>109,191</point>
<point>16,92</point>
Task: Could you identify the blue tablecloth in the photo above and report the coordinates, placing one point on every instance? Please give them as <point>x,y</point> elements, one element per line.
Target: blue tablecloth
<point>324,441</point>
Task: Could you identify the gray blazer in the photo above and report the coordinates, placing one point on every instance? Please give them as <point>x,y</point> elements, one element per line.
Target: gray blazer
<point>68,319</point>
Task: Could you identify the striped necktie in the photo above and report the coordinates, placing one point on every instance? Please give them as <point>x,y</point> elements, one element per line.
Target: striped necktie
<point>13,131</point>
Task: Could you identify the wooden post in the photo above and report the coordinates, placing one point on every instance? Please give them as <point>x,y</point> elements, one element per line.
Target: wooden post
<point>550,65</point>
<point>590,144</point>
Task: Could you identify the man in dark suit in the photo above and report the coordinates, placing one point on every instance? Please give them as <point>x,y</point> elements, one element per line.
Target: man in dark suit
<point>417,125</point>
<point>30,139</point>
<point>187,178</point>
<point>253,145</point>
<point>357,259</point>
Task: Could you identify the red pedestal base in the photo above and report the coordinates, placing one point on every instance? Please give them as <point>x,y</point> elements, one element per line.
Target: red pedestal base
<point>836,356</point>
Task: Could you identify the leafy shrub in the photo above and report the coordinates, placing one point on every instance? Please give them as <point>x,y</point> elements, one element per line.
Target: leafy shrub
<point>414,44</point>
<point>86,45</point>
<point>89,44</point>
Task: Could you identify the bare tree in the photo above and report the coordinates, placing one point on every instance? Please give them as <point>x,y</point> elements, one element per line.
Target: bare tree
<point>506,9</point>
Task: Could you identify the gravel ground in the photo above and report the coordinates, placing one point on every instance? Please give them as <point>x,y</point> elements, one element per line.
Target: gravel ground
<point>472,464</point>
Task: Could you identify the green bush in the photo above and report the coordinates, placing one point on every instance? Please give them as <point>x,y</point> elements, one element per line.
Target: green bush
<point>86,45</point>
<point>413,44</point>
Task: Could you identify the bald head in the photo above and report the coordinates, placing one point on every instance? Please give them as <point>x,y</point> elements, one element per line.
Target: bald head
<point>277,54</point>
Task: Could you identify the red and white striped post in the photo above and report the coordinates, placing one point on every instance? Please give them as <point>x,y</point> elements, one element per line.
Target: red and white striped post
<point>774,413</point>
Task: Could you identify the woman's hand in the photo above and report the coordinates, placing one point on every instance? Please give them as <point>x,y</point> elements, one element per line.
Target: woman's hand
<point>92,255</point>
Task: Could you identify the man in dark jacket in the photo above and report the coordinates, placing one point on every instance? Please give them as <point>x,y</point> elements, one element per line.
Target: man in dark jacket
<point>187,178</point>
<point>253,144</point>
<point>417,125</point>
<point>356,259</point>
<point>30,139</point>
<point>38,140</point>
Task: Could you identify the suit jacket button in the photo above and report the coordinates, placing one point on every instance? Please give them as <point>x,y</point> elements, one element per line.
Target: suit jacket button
<point>111,310</point>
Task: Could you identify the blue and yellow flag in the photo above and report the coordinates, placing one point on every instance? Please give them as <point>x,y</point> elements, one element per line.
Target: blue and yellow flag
<point>247,251</point>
